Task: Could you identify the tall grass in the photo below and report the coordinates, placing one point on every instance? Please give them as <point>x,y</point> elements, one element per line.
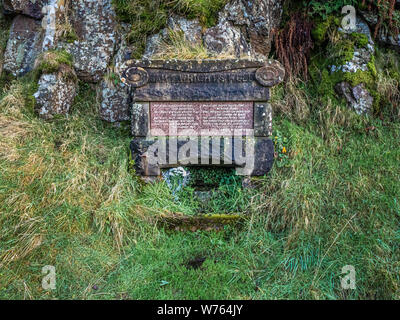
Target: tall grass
<point>68,199</point>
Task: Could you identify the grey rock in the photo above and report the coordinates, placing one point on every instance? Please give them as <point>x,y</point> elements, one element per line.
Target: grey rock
<point>32,8</point>
<point>263,156</point>
<point>262,119</point>
<point>191,30</point>
<point>362,56</point>
<point>56,93</point>
<point>114,101</point>
<point>360,27</point>
<point>23,46</point>
<point>140,119</point>
<point>113,94</point>
<point>358,97</point>
<point>95,24</point>
<point>256,19</point>
<point>153,44</point>
<point>225,39</point>
<point>124,51</point>
<point>384,36</point>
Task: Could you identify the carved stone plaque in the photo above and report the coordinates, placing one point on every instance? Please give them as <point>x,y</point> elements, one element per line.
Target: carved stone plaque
<point>225,102</point>
<point>201,118</point>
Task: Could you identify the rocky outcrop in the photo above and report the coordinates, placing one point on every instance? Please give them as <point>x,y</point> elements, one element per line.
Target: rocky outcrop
<point>256,20</point>
<point>92,20</point>
<point>358,97</point>
<point>112,93</point>
<point>191,30</point>
<point>384,36</point>
<point>31,8</point>
<point>56,93</point>
<point>225,39</point>
<point>245,28</point>
<point>24,45</point>
<point>95,25</point>
<point>114,101</point>
<point>362,54</point>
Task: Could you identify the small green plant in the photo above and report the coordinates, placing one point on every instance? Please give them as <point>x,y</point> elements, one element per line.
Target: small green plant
<point>209,177</point>
<point>325,8</point>
<point>322,27</point>
<point>113,78</point>
<point>281,150</point>
<point>70,36</point>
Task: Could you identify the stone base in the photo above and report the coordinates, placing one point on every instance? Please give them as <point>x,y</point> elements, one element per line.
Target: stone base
<point>150,156</point>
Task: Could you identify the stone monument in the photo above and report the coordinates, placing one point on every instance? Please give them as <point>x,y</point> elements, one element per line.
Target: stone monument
<point>202,113</point>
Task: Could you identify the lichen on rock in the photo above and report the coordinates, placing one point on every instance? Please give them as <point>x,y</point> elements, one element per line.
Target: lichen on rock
<point>351,65</point>
<point>56,92</point>
<point>23,46</point>
<point>95,26</point>
<point>190,31</point>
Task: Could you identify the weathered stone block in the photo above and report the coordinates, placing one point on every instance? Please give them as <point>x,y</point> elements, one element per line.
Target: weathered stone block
<point>114,101</point>
<point>56,93</point>
<point>245,28</point>
<point>95,23</point>
<point>23,46</point>
<point>139,147</point>
<point>262,119</point>
<point>264,156</point>
<point>31,8</point>
<point>252,156</point>
<point>358,97</point>
<point>140,119</point>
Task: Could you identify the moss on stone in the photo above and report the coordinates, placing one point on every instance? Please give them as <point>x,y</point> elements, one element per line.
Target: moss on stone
<point>355,78</point>
<point>342,52</point>
<point>339,53</point>
<point>360,39</point>
<point>50,61</point>
<point>321,28</point>
<point>325,81</point>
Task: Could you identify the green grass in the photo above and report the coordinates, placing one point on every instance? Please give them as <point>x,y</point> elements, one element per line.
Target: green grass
<point>68,199</point>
